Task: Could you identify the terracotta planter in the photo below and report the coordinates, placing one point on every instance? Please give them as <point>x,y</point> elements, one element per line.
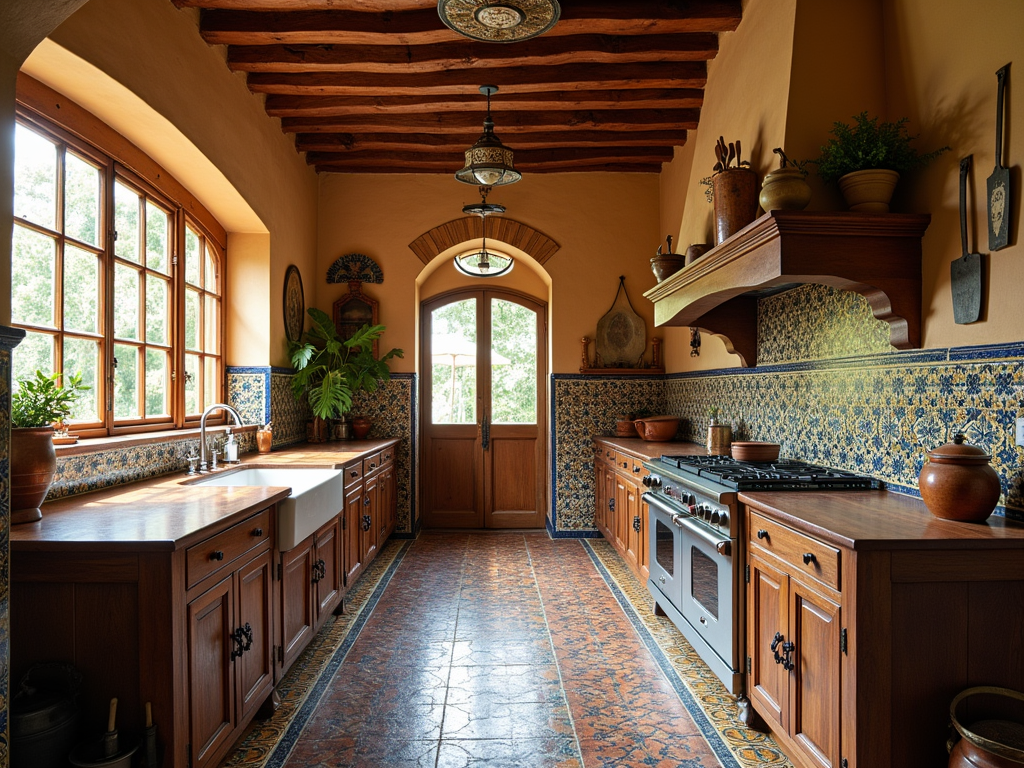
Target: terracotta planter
<point>33,464</point>
<point>784,189</point>
<point>735,193</point>
<point>361,427</point>
<point>666,265</point>
<point>317,430</point>
<point>869,191</point>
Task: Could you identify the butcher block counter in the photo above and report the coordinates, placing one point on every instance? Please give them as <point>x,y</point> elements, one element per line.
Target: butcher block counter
<point>173,593</point>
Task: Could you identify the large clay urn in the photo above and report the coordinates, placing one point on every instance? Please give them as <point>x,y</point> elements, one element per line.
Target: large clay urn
<point>735,196</point>
<point>957,482</point>
<point>33,464</point>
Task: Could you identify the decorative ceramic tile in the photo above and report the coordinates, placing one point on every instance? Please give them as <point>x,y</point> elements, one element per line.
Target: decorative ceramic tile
<point>249,393</point>
<point>288,414</point>
<point>842,323</point>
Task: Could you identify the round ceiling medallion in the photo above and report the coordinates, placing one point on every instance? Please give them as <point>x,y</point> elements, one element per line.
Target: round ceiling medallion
<point>494,21</point>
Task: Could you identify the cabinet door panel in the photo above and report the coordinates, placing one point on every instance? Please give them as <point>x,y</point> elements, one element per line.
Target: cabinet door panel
<point>297,614</point>
<point>767,682</point>
<point>622,515</point>
<point>328,552</point>
<point>254,669</point>
<point>369,514</point>
<point>211,679</point>
<point>352,534</point>
<point>632,521</point>
<point>816,697</point>
<point>390,499</point>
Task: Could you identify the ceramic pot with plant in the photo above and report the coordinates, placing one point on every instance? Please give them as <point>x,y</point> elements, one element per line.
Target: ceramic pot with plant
<point>666,264</point>
<point>330,370</point>
<point>867,158</point>
<point>35,407</point>
<point>734,190</point>
<point>785,188</point>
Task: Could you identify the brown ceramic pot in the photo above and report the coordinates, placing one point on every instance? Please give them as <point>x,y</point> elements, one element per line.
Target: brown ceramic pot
<point>361,427</point>
<point>957,482</point>
<point>785,189</point>
<point>695,251</point>
<point>33,464</point>
<point>990,743</point>
<point>657,428</point>
<point>735,193</point>
<point>665,265</point>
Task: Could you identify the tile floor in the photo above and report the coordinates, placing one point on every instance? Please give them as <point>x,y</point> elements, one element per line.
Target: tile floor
<point>497,650</point>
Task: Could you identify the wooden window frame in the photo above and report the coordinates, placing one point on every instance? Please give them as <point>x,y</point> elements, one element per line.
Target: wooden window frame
<point>60,120</point>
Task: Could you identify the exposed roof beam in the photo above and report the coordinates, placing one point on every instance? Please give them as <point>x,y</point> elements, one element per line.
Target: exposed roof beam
<point>512,122</point>
<point>552,168</point>
<point>283,105</point>
<point>637,17</point>
<point>456,143</point>
<point>573,49</point>
<point>684,74</point>
<point>524,158</point>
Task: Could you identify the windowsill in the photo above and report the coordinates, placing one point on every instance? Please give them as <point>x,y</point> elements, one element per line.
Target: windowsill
<point>99,444</point>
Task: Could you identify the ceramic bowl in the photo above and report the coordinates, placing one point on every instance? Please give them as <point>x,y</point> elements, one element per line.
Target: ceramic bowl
<point>755,451</point>
<point>657,428</point>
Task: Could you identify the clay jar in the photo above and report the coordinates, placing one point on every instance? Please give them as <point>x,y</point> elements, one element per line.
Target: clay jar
<point>735,193</point>
<point>361,427</point>
<point>785,189</point>
<point>33,464</point>
<point>957,482</point>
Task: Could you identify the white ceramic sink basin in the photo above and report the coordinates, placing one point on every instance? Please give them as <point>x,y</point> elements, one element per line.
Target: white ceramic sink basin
<point>317,496</point>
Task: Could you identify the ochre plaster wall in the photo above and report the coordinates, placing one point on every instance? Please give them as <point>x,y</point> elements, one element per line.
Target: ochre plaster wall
<point>155,51</point>
<point>607,225</point>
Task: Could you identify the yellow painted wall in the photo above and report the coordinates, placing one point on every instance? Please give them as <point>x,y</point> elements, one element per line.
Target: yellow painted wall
<point>607,225</point>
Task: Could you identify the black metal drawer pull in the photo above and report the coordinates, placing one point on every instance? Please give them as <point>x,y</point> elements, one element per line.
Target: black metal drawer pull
<point>809,558</point>
<point>243,639</point>
<point>787,649</point>
<point>217,555</point>
<point>257,532</point>
<point>367,522</point>
<point>636,524</point>
<point>762,534</point>
<point>611,505</point>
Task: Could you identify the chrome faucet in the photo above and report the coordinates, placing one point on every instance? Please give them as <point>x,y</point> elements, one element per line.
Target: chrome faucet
<point>202,429</point>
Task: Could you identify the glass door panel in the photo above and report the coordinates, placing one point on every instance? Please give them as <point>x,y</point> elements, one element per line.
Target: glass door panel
<point>453,337</point>
<point>513,363</point>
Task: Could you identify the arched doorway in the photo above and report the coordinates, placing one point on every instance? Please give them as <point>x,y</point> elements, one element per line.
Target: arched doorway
<point>484,439</point>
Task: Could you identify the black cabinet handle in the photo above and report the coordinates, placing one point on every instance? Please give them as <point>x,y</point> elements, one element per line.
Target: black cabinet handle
<point>611,505</point>
<point>809,558</point>
<point>217,555</point>
<point>243,638</point>
<point>366,501</point>
<point>636,523</point>
<point>787,649</point>
<point>319,571</point>
<point>367,522</point>
<point>257,532</point>
<point>762,534</point>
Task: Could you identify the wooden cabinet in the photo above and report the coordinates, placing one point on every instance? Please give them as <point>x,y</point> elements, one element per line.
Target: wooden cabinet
<point>310,588</point>
<point>371,512</point>
<point>619,513</point>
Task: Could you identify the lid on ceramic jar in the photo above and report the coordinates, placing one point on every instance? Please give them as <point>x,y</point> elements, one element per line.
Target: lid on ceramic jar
<point>958,452</point>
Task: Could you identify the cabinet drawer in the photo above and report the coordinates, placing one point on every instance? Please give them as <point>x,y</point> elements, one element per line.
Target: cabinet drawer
<point>387,456</point>
<point>802,553</point>
<point>623,462</point>
<point>220,550</point>
<point>604,454</point>
<point>353,473</point>
<point>371,464</point>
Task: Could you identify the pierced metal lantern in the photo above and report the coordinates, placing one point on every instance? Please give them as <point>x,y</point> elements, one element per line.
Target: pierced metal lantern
<point>484,263</point>
<point>488,162</point>
<point>497,21</point>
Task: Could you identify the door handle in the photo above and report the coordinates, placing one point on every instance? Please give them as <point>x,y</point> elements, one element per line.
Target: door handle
<point>486,432</point>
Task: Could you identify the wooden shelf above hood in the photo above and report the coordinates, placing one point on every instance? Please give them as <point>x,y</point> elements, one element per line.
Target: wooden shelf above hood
<point>875,255</point>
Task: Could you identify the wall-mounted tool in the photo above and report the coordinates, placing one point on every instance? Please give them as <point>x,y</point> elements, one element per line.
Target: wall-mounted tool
<point>999,200</point>
<point>965,272</point>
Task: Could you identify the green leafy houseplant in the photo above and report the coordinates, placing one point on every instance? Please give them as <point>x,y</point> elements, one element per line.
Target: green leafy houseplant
<point>330,369</point>
<point>870,144</point>
<point>41,401</point>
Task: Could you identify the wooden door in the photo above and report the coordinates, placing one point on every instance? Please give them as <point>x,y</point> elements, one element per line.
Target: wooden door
<point>254,669</point>
<point>814,626</point>
<point>767,681</point>
<point>328,558</point>
<point>622,515</point>
<point>353,534</point>
<point>484,415</point>
<point>297,612</point>
<point>210,671</point>
<point>368,519</point>
<point>633,531</point>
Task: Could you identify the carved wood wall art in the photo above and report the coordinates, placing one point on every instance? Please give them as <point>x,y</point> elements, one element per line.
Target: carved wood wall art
<point>355,266</point>
<point>354,310</point>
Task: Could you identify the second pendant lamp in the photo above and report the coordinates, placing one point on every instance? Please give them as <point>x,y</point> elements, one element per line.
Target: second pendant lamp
<point>488,162</point>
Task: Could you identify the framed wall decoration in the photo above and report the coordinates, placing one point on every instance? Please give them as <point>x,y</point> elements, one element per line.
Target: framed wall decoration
<point>294,304</point>
<point>354,310</point>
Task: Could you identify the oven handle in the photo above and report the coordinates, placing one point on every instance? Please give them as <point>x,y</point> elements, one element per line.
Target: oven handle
<point>722,544</point>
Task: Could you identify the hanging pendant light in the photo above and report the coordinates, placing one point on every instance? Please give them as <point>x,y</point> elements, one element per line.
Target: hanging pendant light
<point>488,162</point>
<point>497,21</point>
<point>484,263</point>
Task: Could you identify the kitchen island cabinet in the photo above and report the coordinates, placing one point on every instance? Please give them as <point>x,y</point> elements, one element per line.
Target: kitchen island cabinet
<point>890,612</point>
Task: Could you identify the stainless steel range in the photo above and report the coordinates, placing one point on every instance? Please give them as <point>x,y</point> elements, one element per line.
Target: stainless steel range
<point>695,541</point>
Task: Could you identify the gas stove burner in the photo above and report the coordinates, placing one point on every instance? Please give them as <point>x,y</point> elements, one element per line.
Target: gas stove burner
<point>780,475</point>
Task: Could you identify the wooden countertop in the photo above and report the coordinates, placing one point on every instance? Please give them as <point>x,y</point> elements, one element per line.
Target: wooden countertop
<point>862,520</point>
<point>171,512</point>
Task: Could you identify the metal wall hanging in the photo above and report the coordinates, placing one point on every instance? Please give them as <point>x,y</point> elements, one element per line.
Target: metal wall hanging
<point>294,304</point>
<point>355,266</point>
<point>621,340</point>
<point>494,21</point>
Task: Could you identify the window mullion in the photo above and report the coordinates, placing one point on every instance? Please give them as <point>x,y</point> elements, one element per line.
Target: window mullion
<point>107,298</point>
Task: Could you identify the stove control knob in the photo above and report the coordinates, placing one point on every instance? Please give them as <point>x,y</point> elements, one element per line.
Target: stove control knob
<point>715,517</point>
<point>646,481</point>
<point>723,521</point>
<point>653,481</point>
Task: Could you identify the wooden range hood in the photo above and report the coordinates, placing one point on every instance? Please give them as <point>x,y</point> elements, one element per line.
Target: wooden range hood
<point>875,255</point>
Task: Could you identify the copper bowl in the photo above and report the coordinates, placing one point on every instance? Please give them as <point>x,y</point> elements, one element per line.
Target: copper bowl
<point>755,451</point>
<point>657,428</point>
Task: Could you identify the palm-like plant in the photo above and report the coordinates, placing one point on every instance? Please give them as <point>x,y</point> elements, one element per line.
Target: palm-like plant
<point>330,369</point>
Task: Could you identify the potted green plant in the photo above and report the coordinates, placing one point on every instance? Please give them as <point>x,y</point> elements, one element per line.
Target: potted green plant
<point>38,404</point>
<point>330,370</point>
<point>867,158</point>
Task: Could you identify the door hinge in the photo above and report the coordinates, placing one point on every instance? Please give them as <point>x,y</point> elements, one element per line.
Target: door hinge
<point>280,572</point>
<point>844,763</point>
<point>748,665</point>
<point>746,572</point>
<point>280,653</point>
<point>843,645</point>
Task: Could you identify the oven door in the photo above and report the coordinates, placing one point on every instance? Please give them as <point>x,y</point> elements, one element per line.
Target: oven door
<point>665,559</point>
<point>707,600</point>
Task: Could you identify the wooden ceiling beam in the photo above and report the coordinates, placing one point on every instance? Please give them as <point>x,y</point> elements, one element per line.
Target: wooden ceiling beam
<point>513,122</point>
<point>568,77</point>
<point>282,105</point>
<point>398,59</point>
<point>457,143</point>
<point>422,26</point>
<point>524,158</point>
<point>551,168</point>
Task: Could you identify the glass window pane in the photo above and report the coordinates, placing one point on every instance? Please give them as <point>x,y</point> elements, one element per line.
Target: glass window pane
<point>157,383</point>
<point>126,302</point>
<point>83,356</point>
<point>126,222</point>
<point>35,178</point>
<point>81,290</point>
<point>211,311</point>
<point>211,283</point>
<point>513,363</point>
<point>192,385</point>
<point>192,320</point>
<point>82,186</point>
<point>126,382</point>
<point>157,310</point>
<point>453,358</point>
<point>211,381</point>
<point>157,238</point>
<point>34,353</point>
<point>193,256</point>
<point>33,268</point>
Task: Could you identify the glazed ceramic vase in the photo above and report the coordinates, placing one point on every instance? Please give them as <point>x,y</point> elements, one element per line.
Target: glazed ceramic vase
<point>735,195</point>
<point>784,189</point>
<point>361,427</point>
<point>33,465</point>
<point>869,191</point>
